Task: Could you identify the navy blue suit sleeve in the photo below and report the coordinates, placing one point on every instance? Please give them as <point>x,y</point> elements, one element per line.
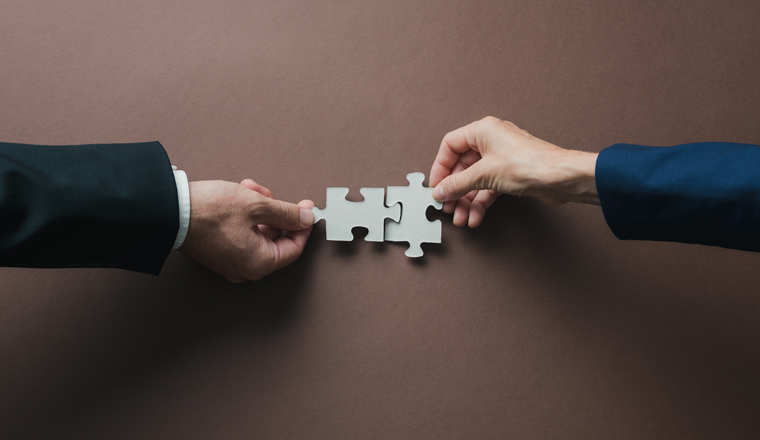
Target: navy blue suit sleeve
<point>706,193</point>
<point>109,205</point>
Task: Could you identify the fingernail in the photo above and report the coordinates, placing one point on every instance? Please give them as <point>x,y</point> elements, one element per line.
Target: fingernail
<point>439,194</point>
<point>307,217</point>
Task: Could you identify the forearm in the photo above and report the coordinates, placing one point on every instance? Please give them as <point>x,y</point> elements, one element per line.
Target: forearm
<point>111,205</point>
<point>706,193</point>
<point>569,177</point>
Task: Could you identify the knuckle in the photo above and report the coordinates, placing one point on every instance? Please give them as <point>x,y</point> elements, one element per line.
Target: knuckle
<point>448,139</point>
<point>258,207</point>
<point>477,205</point>
<point>480,182</point>
<point>452,185</point>
<point>282,213</point>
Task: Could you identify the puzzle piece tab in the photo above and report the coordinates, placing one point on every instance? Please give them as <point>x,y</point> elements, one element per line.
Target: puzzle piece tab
<point>342,215</point>
<point>414,226</point>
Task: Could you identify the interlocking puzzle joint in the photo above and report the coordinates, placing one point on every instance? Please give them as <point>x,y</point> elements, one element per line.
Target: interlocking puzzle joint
<point>414,226</point>
<point>342,215</point>
<point>407,208</point>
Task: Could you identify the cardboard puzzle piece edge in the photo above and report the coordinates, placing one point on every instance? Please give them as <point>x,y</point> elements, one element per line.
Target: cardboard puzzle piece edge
<point>342,215</point>
<point>407,207</point>
<point>414,227</point>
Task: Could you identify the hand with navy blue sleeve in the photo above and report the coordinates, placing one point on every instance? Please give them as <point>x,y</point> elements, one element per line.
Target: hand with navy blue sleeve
<point>705,193</point>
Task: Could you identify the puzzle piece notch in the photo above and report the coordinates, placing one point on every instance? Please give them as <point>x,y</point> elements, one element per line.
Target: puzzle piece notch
<point>342,215</point>
<point>414,226</point>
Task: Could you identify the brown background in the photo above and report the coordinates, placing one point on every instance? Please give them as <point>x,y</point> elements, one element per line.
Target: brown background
<point>539,324</point>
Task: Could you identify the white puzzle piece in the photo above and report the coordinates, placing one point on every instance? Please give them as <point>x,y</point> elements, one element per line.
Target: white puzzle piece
<point>341,215</point>
<point>414,226</point>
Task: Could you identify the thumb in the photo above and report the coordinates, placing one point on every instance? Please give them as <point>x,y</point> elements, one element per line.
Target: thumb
<point>460,184</point>
<point>281,215</point>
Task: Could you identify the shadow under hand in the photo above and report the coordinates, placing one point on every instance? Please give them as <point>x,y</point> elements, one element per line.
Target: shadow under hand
<point>266,305</point>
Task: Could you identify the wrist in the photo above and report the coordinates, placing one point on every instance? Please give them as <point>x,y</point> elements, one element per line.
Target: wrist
<point>571,177</point>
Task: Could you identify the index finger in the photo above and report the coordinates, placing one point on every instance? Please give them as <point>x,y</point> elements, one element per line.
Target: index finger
<point>453,145</point>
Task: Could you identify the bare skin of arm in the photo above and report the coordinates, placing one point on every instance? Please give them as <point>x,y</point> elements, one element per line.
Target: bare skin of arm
<point>489,157</point>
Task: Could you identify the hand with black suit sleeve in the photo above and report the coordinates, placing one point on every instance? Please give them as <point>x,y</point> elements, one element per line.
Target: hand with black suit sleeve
<point>241,232</point>
<point>121,206</point>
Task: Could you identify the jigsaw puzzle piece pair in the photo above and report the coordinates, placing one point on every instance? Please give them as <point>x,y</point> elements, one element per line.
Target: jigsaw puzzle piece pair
<point>407,210</point>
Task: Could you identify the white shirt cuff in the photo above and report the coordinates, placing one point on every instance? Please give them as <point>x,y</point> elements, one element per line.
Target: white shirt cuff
<point>183,196</point>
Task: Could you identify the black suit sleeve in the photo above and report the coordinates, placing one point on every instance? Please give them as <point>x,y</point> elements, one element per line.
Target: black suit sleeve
<point>109,205</point>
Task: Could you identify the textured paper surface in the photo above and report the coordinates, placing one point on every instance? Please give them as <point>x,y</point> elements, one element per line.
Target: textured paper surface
<point>537,325</point>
